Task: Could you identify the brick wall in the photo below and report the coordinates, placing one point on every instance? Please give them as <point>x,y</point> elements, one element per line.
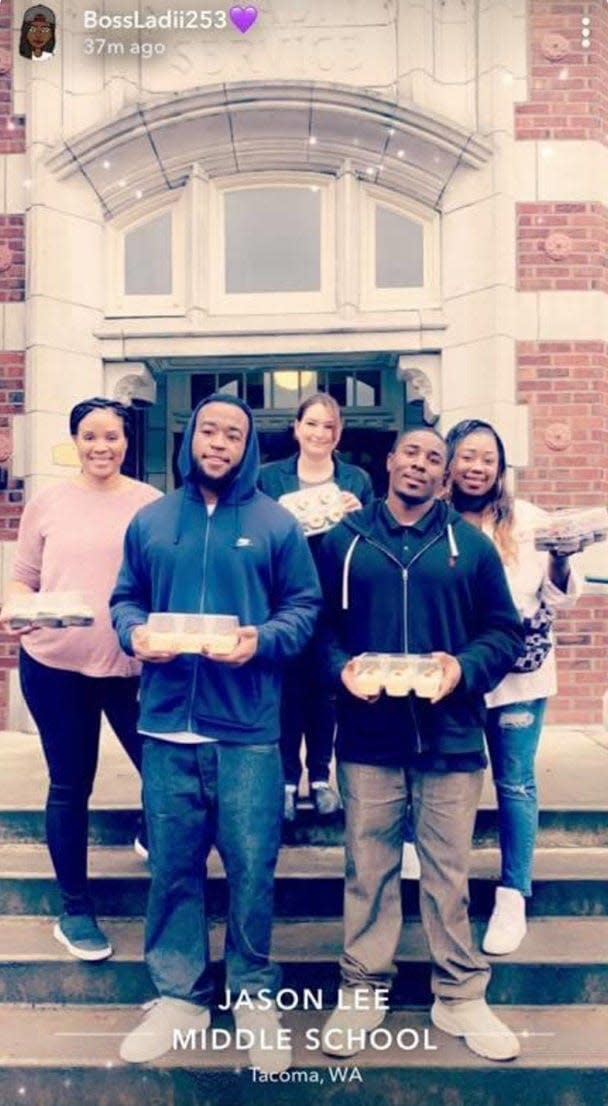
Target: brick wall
<point>12,127</point>
<point>562,246</point>
<point>568,85</point>
<point>12,368</point>
<point>12,290</point>
<point>12,258</point>
<point>565,385</point>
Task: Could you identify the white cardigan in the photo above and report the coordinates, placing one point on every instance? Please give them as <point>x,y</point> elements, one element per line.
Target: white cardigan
<point>529,582</point>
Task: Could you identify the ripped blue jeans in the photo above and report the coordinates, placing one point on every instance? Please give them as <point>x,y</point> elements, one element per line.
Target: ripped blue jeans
<point>513,733</point>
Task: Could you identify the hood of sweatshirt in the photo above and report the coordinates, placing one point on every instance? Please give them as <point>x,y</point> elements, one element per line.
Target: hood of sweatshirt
<point>244,477</point>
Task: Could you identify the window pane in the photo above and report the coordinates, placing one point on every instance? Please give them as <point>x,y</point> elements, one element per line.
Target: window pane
<point>273,240</point>
<point>367,389</point>
<point>337,387</point>
<point>232,383</point>
<point>201,386</point>
<point>256,390</point>
<point>148,258</point>
<point>286,389</point>
<point>399,250</point>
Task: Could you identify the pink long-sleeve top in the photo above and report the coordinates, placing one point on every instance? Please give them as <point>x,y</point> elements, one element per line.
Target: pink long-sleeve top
<point>70,539</point>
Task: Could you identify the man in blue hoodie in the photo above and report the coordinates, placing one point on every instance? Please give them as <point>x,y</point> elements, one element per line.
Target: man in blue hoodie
<point>211,763</point>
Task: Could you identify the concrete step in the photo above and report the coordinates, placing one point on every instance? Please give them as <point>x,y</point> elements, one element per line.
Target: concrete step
<point>565,826</point>
<point>561,961</point>
<point>69,1055</point>
<point>309,882</point>
<point>571,771</point>
<point>560,827</point>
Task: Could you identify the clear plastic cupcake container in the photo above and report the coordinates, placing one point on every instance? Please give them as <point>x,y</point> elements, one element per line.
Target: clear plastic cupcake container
<point>369,673</point>
<point>398,674</point>
<point>316,509</point>
<point>193,633</point>
<point>570,531</point>
<point>47,609</point>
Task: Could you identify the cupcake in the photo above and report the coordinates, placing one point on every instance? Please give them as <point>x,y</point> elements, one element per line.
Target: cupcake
<point>78,615</point>
<point>223,644</point>
<point>426,683</point>
<point>369,681</point>
<point>315,522</point>
<point>399,681</point>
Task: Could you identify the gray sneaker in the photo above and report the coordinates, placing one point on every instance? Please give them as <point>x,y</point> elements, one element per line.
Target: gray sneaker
<point>82,937</point>
<point>483,1032</point>
<point>270,1048</point>
<point>344,1032</point>
<point>158,1032</point>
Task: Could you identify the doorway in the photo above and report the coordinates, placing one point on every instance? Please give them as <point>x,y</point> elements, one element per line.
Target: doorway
<point>372,399</point>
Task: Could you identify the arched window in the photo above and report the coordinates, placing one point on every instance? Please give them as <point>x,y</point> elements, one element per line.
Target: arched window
<point>399,252</point>
<point>145,260</point>
<point>275,245</point>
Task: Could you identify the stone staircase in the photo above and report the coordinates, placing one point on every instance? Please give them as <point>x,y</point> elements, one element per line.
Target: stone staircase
<point>62,1019</point>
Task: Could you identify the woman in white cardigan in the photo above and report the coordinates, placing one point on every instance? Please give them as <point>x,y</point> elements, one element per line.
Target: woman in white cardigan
<point>540,582</point>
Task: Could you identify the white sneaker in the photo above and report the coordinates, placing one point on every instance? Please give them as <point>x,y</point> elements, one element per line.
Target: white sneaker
<point>410,864</point>
<point>140,849</point>
<point>344,1031</point>
<point>507,926</point>
<point>270,1050</point>
<point>483,1032</point>
<point>155,1034</point>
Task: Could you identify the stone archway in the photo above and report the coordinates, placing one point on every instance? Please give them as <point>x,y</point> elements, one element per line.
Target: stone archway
<point>264,125</point>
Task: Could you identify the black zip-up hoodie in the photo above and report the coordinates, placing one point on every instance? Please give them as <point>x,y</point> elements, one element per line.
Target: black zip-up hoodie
<point>452,597</point>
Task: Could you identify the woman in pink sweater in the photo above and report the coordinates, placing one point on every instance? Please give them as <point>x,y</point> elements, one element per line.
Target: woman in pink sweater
<point>70,539</point>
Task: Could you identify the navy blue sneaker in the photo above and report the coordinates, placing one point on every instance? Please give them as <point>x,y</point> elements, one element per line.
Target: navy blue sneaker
<point>82,937</point>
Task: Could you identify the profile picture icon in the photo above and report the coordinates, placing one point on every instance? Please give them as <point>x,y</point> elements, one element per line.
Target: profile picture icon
<point>37,39</point>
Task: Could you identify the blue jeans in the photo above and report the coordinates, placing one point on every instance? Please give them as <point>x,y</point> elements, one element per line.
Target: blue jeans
<point>200,795</point>
<point>513,733</point>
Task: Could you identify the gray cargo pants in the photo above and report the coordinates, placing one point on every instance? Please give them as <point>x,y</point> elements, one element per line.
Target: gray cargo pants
<point>444,806</point>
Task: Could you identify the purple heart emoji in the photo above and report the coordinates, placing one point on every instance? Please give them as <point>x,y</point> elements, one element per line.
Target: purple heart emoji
<point>243,18</point>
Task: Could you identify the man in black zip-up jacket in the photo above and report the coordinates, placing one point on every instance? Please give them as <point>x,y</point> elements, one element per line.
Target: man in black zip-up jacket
<point>408,575</point>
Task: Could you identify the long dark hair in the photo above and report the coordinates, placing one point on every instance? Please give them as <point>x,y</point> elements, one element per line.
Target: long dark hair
<point>98,403</point>
<point>38,11</point>
<point>499,507</point>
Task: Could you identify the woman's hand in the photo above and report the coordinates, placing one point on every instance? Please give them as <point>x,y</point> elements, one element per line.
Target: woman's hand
<point>559,569</point>
<point>18,633</point>
<point>350,502</point>
<point>13,591</point>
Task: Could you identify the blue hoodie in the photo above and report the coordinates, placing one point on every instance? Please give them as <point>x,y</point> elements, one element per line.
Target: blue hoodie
<point>249,558</point>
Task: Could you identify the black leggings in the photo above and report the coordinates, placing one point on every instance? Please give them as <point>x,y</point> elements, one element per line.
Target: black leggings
<point>306,708</point>
<point>67,708</point>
